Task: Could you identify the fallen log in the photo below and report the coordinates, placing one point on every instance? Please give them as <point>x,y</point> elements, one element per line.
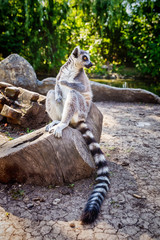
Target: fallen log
<point>102,92</point>
<point>41,159</point>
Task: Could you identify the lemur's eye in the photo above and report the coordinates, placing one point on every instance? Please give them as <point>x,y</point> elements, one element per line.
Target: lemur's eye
<point>85,58</point>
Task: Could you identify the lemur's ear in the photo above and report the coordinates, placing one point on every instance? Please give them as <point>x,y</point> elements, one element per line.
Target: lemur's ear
<point>76,52</point>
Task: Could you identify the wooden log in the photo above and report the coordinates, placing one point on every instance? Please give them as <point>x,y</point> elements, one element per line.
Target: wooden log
<point>10,112</point>
<point>27,96</point>
<point>12,92</point>
<point>102,92</point>
<point>41,159</point>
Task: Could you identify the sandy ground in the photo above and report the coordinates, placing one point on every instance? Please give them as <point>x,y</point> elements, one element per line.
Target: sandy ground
<point>131,210</point>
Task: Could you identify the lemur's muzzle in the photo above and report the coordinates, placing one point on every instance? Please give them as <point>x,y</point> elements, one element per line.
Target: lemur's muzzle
<point>89,65</point>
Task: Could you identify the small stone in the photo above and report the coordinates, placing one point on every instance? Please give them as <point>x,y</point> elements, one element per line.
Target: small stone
<point>125,164</point>
<point>56,201</point>
<point>138,196</point>
<point>143,124</point>
<point>36,199</point>
<point>72,225</point>
<point>30,205</point>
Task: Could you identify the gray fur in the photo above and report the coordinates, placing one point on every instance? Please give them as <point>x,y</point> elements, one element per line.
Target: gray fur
<point>72,94</point>
<point>70,104</point>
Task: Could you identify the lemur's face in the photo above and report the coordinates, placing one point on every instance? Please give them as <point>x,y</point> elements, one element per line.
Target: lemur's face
<point>81,58</point>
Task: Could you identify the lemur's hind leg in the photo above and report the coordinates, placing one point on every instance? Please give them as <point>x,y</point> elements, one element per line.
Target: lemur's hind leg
<point>53,109</point>
<point>71,111</point>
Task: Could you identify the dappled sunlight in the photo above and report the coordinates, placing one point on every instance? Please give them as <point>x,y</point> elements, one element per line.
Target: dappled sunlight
<point>110,120</point>
<point>145,236</point>
<point>99,231</point>
<point>131,208</point>
<point>11,227</point>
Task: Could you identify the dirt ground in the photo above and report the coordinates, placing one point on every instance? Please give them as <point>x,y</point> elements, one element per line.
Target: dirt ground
<point>131,210</point>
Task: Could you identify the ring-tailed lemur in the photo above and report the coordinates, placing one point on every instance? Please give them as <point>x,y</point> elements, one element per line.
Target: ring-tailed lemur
<point>70,103</point>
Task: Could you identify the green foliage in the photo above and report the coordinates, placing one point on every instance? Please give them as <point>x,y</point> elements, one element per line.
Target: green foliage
<point>71,185</point>
<point>11,26</point>
<point>17,193</point>
<point>29,130</point>
<point>141,36</point>
<point>115,31</point>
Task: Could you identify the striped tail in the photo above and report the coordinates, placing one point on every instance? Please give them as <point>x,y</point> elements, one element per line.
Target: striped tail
<point>96,198</point>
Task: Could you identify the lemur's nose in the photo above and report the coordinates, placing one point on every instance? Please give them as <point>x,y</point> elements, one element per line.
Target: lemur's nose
<point>90,65</point>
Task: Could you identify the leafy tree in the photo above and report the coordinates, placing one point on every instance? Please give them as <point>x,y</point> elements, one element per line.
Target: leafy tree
<point>45,37</point>
<point>141,36</point>
<point>115,31</point>
<point>11,26</point>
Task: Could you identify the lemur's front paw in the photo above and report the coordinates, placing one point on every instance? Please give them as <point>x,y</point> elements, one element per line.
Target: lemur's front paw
<point>57,131</point>
<point>50,125</point>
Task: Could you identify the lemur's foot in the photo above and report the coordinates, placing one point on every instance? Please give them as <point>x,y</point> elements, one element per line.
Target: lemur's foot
<point>57,130</point>
<point>50,125</point>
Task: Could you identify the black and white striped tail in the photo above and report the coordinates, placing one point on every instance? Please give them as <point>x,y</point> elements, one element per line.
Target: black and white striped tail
<point>96,198</point>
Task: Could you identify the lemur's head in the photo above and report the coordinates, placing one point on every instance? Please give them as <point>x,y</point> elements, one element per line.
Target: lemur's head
<point>81,58</point>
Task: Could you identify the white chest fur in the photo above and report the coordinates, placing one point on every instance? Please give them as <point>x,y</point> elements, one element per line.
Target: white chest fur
<point>68,75</point>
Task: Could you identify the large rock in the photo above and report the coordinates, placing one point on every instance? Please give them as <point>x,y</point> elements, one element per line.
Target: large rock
<point>102,92</point>
<point>16,70</point>
<point>40,158</point>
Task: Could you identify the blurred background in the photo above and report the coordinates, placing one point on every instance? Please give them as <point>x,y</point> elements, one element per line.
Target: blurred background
<point>123,37</point>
